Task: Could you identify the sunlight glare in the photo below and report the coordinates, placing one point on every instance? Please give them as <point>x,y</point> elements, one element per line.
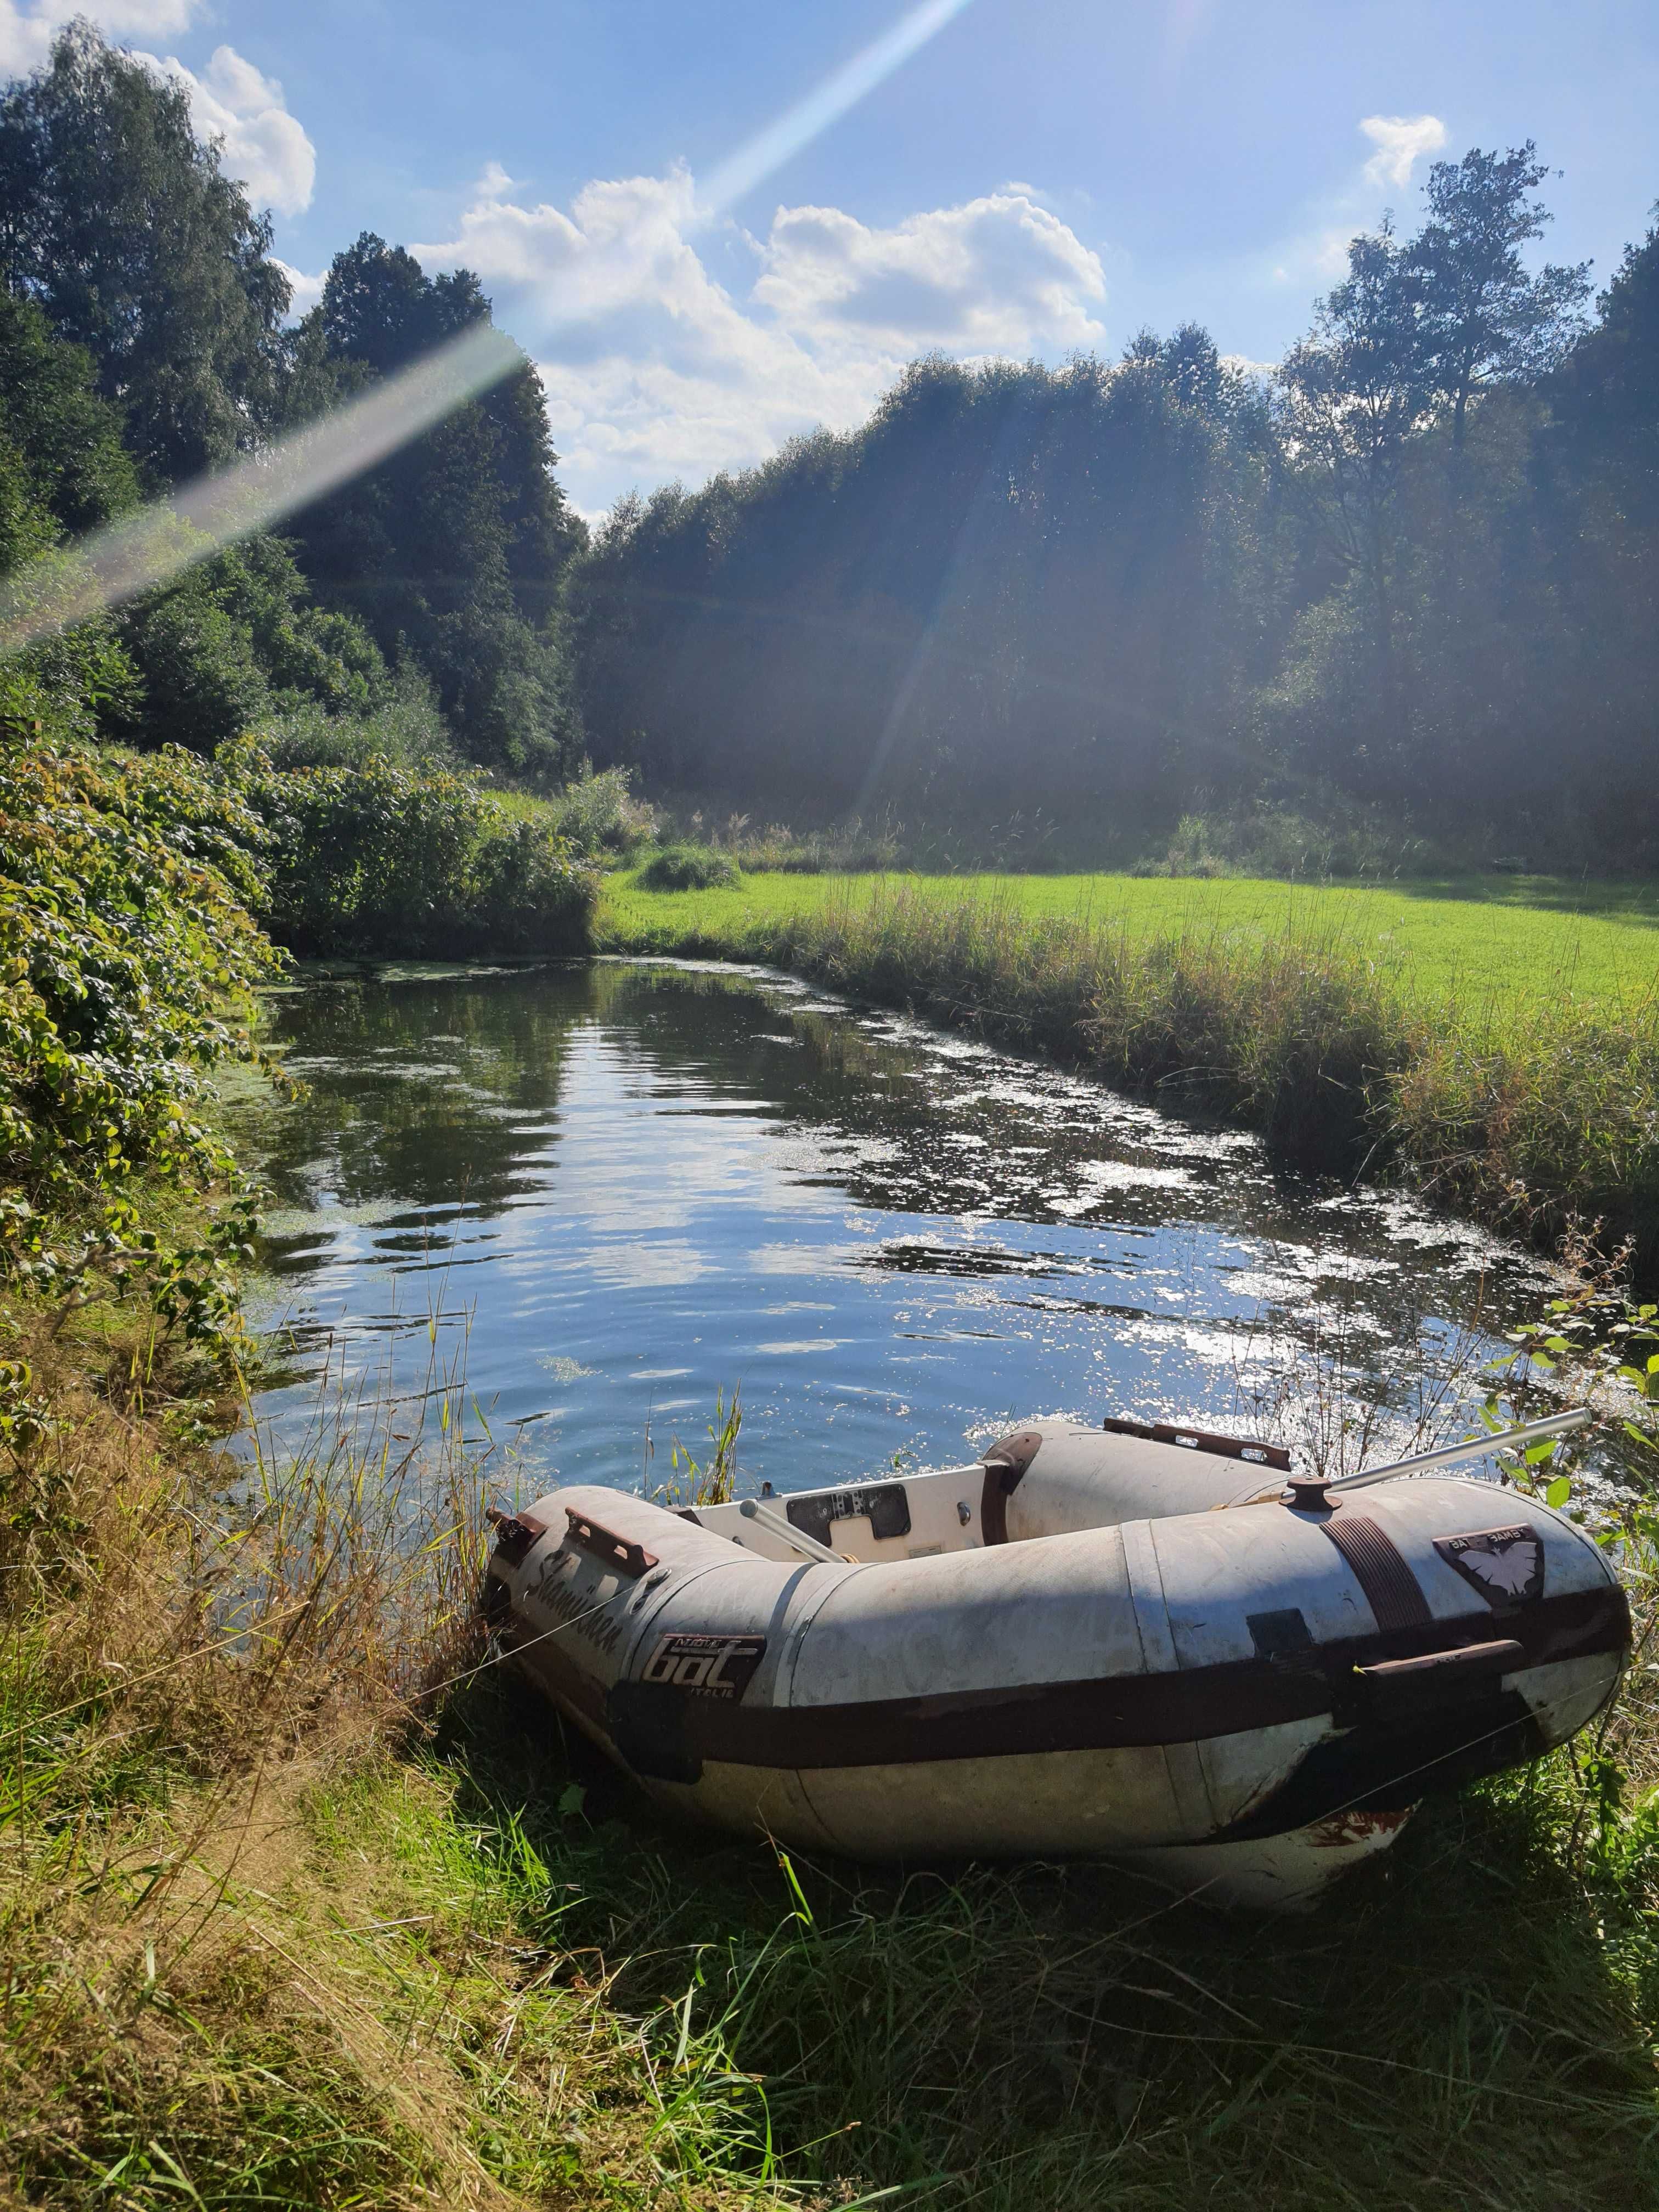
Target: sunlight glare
<point>843,90</point>
<point>113,565</point>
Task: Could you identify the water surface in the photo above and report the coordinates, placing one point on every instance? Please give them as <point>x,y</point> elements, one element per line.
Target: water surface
<point>604,1191</point>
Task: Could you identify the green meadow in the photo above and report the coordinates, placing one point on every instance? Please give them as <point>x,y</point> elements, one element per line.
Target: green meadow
<point>1477,945</point>
<point>1494,1043</point>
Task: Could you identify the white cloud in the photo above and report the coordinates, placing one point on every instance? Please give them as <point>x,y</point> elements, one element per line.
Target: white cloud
<point>999,274</point>
<point>26,33</point>
<point>305,291</point>
<point>655,369</point>
<point>1401,141</point>
<point>265,147</point>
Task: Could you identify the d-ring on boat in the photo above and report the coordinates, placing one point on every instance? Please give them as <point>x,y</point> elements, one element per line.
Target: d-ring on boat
<point>1069,1647</point>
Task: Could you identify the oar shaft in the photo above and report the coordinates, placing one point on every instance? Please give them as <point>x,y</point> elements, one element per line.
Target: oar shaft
<point>1529,1432</point>
<point>775,1525</point>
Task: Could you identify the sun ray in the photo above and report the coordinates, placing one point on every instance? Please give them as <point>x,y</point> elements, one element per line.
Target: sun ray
<point>843,88</point>
<point>140,551</point>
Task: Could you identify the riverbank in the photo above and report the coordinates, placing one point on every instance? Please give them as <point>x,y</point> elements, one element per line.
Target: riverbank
<point>1502,1058</point>
<point>1482,945</point>
<point>305,1903</point>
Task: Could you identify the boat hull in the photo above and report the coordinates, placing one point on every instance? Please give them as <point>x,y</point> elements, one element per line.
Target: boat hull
<point>1241,1702</point>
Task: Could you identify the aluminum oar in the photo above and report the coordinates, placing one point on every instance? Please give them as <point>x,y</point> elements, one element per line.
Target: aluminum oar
<point>775,1525</point>
<point>1311,1491</point>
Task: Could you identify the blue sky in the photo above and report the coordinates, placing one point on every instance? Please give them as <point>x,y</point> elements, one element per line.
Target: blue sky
<point>1037,177</point>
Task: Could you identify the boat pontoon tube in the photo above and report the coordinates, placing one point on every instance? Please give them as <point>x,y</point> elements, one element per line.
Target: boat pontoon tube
<point>1069,1648</point>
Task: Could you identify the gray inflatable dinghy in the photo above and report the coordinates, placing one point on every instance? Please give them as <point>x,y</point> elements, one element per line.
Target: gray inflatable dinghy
<point>1142,1642</point>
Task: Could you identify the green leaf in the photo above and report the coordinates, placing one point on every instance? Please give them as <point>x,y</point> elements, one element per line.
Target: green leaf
<point>1559,1492</point>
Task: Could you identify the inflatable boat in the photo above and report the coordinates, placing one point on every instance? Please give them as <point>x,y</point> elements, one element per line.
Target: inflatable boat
<point>1140,1642</point>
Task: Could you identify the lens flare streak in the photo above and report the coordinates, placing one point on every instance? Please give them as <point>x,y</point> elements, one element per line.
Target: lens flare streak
<point>141,551</point>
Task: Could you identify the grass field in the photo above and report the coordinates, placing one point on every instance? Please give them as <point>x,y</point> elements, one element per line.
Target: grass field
<point>1484,944</point>
<point>1500,1048</point>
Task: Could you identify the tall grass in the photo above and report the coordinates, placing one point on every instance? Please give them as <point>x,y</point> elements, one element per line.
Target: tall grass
<point>303,1901</point>
<point>1528,1115</point>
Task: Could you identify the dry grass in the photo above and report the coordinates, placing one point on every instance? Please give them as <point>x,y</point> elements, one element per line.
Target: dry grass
<point>302,1903</point>
<point>251,1954</point>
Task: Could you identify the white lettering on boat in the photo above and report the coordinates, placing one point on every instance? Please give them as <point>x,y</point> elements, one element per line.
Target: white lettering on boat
<point>713,1666</point>
<point>575,1605</point>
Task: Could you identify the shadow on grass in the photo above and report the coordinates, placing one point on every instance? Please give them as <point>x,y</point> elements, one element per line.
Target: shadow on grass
<point>1625,900</point>
<point>1469,2023</point>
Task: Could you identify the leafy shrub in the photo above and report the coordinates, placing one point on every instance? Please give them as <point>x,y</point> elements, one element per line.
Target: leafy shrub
<point>378,857</point>
<point>202,680</point>
<point>527,892</point>
<point>124,941</point>
<point>688,868</point>
<point>238,641</point>
<point>600,815</point>
<point>407,727</point>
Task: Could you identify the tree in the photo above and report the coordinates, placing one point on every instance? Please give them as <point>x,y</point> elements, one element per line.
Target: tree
<point>1484,321</point>
<point>1606,392</point>
<point>122,226</point>
<point>1351,395</point>
<point>1013,589</point>
<point>68,437</point>
<point>454,548</point>
<point>63,469</point>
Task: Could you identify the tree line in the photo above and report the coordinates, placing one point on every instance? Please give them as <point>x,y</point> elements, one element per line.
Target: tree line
<point>143,342</point>
<point>1414,569</point>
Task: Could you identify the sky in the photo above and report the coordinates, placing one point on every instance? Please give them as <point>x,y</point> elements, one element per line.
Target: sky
<point>716,224</point>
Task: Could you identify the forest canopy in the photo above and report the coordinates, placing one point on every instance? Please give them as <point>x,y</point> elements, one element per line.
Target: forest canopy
<point>143,340</point>
<point>1412,569</point>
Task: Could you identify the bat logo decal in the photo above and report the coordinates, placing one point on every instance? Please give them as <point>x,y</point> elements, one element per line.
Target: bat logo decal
<point>1506,1565</point>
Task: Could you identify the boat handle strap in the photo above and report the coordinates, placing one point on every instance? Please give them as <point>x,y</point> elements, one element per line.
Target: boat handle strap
<point>618,1553</point>
<point>1500,1655</point>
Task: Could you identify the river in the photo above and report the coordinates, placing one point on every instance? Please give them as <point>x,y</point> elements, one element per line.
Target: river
<point>573,1202</point>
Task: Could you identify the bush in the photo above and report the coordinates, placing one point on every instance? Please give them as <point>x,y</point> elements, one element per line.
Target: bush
<point>202,679</point>
<point>237,641</point>
<point>408,728</point>
<point>598,814</point>
<point>377,857</point>
<point>125,942</point>
<point>688,868</point>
